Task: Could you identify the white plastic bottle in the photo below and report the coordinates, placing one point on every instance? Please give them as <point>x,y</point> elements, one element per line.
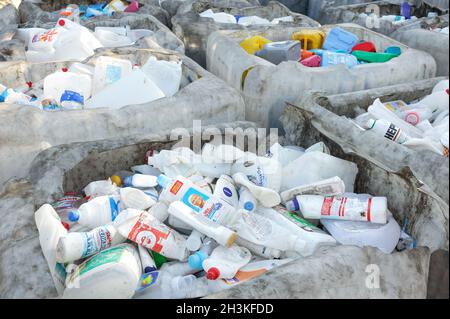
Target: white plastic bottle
<point>225,262</point>
<point>284,155</point>
<point>50,231</point>
<point>69,89</point>
<point>113,36</point>
<point>262,231</point>
<point>226,190</point>
<point>144,229</point>
<point>259,250</point>
<point>195,260</point>
<point>182,189</point>
<point>195,240</point>
<point>111,274</point>
<point>109,70</point>
<point>219,233</point>
<point>148,264</point>
<point>416,115</point>
<point>330,186</point>
<point>140,180</point>
<point>100,188</point>
<point>344,207</point>
<point>266,196</point>
<point>97,212</point>
<point>436,101</point>
<point>160,210</point>
<point>77,245</point>
<point>387,130</point>
<point>441,86</point>
<point>179,225</point>
<point>246,199</point>
<point>135,198</point>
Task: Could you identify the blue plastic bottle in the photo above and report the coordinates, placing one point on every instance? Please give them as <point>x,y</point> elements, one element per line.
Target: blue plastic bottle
<point>405,10</point>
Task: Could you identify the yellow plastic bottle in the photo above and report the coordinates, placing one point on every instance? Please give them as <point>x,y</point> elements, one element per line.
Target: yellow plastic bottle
<point>254,44</point>
<point>310,39</point>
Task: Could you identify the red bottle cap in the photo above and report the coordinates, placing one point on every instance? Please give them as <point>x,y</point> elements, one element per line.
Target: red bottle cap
<point>213,273</point>
<point>66,226</point>
<point>30,84</point>
<point>61,22</point>
<point>64,69</point>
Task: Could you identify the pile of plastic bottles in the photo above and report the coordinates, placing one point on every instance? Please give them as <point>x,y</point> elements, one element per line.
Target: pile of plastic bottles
<point>313,48</point>
<point>423,124</point>
<point>187,225</point>
<point>110,83</point>
<point>222,17</point>
<point>75,12</point>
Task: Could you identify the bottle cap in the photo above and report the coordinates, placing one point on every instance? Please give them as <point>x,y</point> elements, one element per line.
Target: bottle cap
<point>74,216</point>
<point>249,206</point>
<point>116,180</point>
<point>163,181</point>
<point>195,261</point>
<point>66,226</point>
<point>293,205</point>
<point>213,273</point>
<point>149,269</point>
<point>61,22</point>
<point>128,181</point>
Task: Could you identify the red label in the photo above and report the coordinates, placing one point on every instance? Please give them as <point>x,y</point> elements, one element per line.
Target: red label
<point>148,236</point>
<point>326,206</point>
<point>176,187</point>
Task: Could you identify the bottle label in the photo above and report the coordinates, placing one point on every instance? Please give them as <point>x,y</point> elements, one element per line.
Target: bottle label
<point>72,96</point>
<point>113,73</point>
<point>346,208</point>
<point>147,280</point>
<point>392,133</point>
<point>95,241</point>
<point>195,199</point>
<point>176,187</point>
<point>47,36</point>
<point>148,236</point>
<point>242,276</point>
<point>114,208</point>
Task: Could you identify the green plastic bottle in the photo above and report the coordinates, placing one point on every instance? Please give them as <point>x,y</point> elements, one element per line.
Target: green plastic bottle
<point>373,57</point>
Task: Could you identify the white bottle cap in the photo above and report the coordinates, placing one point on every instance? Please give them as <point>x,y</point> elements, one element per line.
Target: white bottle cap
<point>378,210</point>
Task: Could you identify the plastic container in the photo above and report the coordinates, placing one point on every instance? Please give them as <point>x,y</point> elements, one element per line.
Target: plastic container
<point>226,190</point>
<point>339,39</point>
<point>135,198</point>
<point>344,207</point>
<point>100,188</point>
<point>259,250</point>
<point>182,189</point>
<point>220,17</point>
<point>366,46</point>
<point>252,20</point>
<point>77,245</point>
<point>309,38</point>
<point>277,52</point>
<point>331,186</point>
<point>266,196</point>
<point>334,58</point>
<point>195,260</point>
<point>222,235</point>
<point>144,229</point>
<point>140,180</point>
<point>147,262</point>
<point>372,57</point>
<point>314,61</point>
<point>69,89</point>
<point>165,74</point>
<point>388,130</point>
<point>384,237</point>
<point>253,44</point>
<point>246,199</point>
<point>135,88</point>
<point>50,231</point>
<point>112,274</point>
<point>109,70</point>
<point>97,212</point>
<point>226,262</point>
<point>405,10</point>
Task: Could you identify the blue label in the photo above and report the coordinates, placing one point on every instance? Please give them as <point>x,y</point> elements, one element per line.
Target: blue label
<point>113,73</point>
<point>72,96</point>
<point>227,192</point>
<point>147,280</point>
<point>114,208</point>
<point>4,95</point>
<point>194,199</point>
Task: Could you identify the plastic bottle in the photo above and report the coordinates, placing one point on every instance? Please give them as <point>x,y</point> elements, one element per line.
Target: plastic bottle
<point>313,236</point>
<point>113,274</point>
<point>160,211</point>
<point>405,10</point>
<point>285,154</point>
<point>339,39</point>
<point>182,189</point>
<point>148,264</point>
<point>97,212</point>
<point>384,237</point>
<point>220,17</point>
<point>252,20</point>
<point>195,260</point>
<point>225,262</point>
<point>135,198</point>
<point>195,240</point>
<point>219,233</point>
<point>113,36</point>
<point>109,70</point>
<point>77,245</point>
<point>259,250</point>
<point>415,116</point>
<point>330,186</point>
<point>135,88</point>
<point>246,199</point>
<point>50,231</point>
<point>266,196</point>
<point>69,89</point>
<point>334,58</point>
<point>144,229</point>
<point>345,207</point>
<point>226,190</point>
<point>265,232</point>
<point>100,188</point>
<point>387,130</point>
<point>140,180</point>
<point>437,101</point>
<point>178,224</point>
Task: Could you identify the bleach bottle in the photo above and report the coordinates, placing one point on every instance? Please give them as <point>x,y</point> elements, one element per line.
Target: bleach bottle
<point>97,212</point>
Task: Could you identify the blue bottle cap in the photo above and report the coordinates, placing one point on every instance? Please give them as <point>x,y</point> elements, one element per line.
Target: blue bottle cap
<point>249,206</point>
<point>163,181</point>
<point>128,181</point>
<point>149,269</point>
<point>74,216</point>
<point>196,260</point>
